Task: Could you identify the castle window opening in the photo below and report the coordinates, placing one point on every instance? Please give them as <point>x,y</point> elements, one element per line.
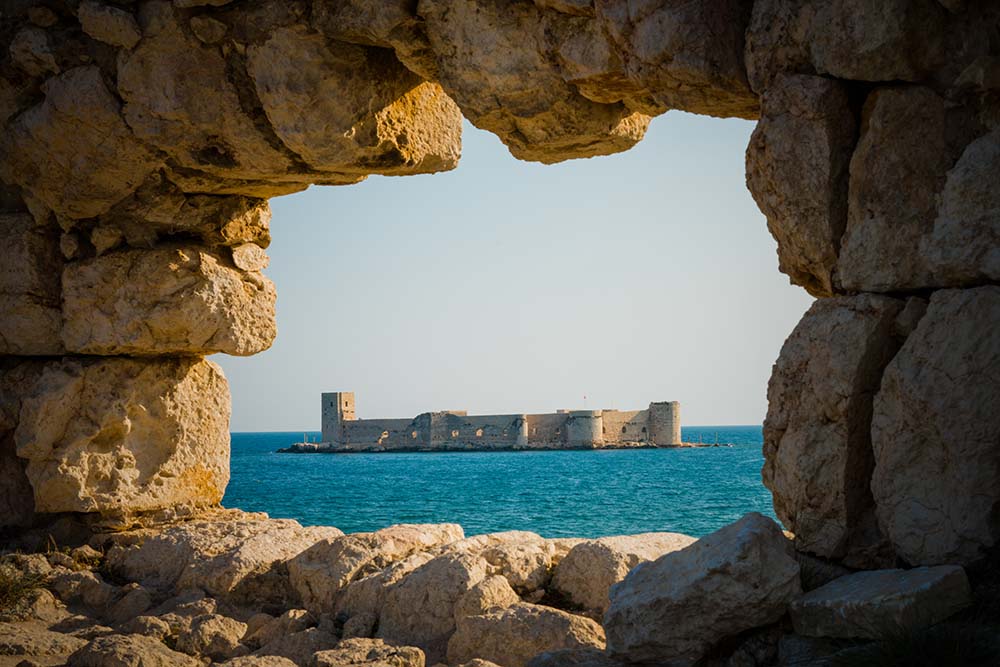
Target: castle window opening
<point>623,429</point>
<point>479,432</point>
<point>643,429</point>
<point>385,434</point>
<point>454,434</point>
<point>413,434</point>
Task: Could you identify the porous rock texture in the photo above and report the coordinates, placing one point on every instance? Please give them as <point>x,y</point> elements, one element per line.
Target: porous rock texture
<point>591,568</point>
<point>934,433</point>
<point>676,608</point>
<point>817,434</point>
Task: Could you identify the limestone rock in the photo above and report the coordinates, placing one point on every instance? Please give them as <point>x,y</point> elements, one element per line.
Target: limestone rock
<point>172,300</point>
<point>85,587</point>
<point>590,569</point>
<point>490,594</point>
<point>133,603</point>
<point>573,7</point>
<point>121,435</point>
<point>179,98</point>
<point>934,433</point>
<point>109,24</point>
<point>491,58</point>
<point>419,610</point>
<point>674,609</point>
<point>250,257</point>
<point>229,554</point>
<point>299,647</point>
<point>129,651</point>
<point>34,639</point>
<point>964,247</point>
<point>159,210</point>
<point>354,109</point>
<point>212,635</point>
<point>369,653</point>
<point>207,29</point>
<point>365,596</point>
<point>688,55</point>
<point>881,604</point>
<point>29,287</point>
<point>259,661</point>
<point>909,141</point>
<point>524,558</point>
<point>797,171</point>
<point>78,123</point>
<point>148,626</point>
<point>320,572</point>
<point>817,442</point>
<point>30,51</point>
<point>290,622</point>
<point>512,636</point>
<point>17,502</point>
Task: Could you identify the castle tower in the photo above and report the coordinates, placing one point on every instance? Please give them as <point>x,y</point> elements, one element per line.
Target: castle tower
<point>338,407</point>
<point>585,428</point>
<point>665,423</point>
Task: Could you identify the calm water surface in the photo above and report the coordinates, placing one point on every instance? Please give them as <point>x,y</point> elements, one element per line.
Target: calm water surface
<point>567,493</point>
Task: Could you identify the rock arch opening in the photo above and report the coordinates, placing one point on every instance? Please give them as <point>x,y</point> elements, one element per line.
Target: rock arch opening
<point>140,144</point>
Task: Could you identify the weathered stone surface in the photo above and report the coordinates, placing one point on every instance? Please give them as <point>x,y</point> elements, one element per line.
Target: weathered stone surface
<point>229,554</point>
<point>259,661</point>
<point>574,658</point>
<point>300,647</point>
<point>34,639</point>
<point>817,441</point>
<point>934,433</point>
<point>370,653</point>
<point>29,287</point>
<point>147,626</point>
<point>797,170</point>
<point>322,571</point>
<point>158,210</point>
<point>688,55</point>
<point>17,502</point>
<point>491,594</point>
<point>909,140</point>
<point>84,587</point>
<point>891,40</point>
<point>512,636</point>
<point>122,435</point>
<point>290,622</point>
<point>355,109</point>
<point>491,58</point>
<point>30,51</point>
<point>674,609</point>
<point>419,610</point>
<point>173,300</point>
<point>881,604</point>
<point>215,636</point>
<point>108,24</point>
<point>73,152</point>
<point>129,651</point>
<point>590,569</point>
<point>179,98</point>
<point>964,247</point>
<point>135,602</point>
<point>366,595</point>
<point>250,257</point>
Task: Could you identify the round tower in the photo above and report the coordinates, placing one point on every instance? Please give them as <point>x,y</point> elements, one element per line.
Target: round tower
<point>522,431</point>
<point>665,423</point>
<point>585,428</point>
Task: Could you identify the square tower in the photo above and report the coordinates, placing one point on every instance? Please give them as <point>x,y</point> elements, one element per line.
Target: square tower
<point>338,407</point>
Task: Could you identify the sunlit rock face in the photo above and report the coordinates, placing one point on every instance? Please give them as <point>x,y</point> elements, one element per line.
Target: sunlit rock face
<point>139,143</point>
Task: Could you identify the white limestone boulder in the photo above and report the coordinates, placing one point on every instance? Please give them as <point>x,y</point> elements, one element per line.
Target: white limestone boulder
<point>419,610</point>
<point>587,572</point>
<point>214,636</point>
<point>129,651</point>
<point>675,609</point>
<point>512,636</point>
<point>489,595</point>
<point>934,433</point>
<point>119,435</point>
<point>322,571</point>
<point>882,604</point>
<point>818,456</point>
<point>34,639</point>
<point>229,554</point>
<point>170,300</point>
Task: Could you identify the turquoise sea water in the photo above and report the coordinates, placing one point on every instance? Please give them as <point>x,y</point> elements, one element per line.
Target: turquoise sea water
<point>561,493</point>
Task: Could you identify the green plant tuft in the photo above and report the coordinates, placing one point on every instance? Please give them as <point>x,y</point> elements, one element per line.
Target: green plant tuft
<point>15,589</point>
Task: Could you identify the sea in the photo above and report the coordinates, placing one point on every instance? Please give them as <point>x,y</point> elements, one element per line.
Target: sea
<point>589,493</point>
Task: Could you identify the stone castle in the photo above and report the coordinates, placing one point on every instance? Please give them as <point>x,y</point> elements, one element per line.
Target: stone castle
<point>450,430</point>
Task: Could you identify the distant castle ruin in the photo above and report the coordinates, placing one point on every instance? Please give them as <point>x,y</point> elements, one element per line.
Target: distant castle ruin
<point>455,430</point>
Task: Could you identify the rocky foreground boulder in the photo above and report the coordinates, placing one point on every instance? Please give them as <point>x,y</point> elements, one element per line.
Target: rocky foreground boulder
<point>676,608</point>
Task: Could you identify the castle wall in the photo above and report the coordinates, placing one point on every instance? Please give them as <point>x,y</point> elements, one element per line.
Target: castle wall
<point>625,426</point>
<point>547,428</point>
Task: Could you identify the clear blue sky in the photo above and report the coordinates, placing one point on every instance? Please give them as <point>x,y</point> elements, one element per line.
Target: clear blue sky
<point>507,286</point>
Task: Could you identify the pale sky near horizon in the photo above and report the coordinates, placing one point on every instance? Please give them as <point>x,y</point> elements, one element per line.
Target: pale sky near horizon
<point>509,287</point>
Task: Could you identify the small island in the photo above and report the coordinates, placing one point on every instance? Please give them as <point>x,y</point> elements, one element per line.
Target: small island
<point>659,425</point>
